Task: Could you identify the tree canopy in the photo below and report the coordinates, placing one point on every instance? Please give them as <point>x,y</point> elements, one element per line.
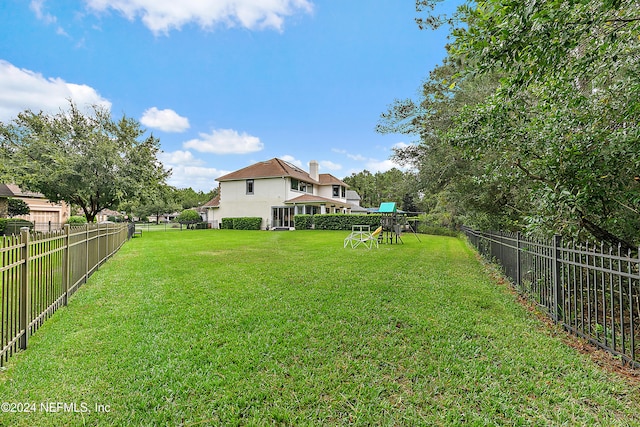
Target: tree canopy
<point>531,121</point>
<point>90,161</point>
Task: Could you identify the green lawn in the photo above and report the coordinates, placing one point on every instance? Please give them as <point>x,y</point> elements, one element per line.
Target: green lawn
<point>224,327</point>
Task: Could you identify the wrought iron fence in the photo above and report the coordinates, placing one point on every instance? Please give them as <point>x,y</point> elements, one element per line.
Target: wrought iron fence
<point>40,270</point>
<point>592,290</point>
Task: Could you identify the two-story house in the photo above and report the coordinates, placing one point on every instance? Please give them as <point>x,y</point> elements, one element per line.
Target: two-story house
<point>276,191</point>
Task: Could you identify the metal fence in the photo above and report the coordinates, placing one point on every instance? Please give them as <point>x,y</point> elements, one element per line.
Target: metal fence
<point>592,290</point>
<point>40,270</point>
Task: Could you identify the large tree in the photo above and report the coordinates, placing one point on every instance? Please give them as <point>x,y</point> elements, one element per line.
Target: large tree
<point>555,137</point>
<point>88,160</point>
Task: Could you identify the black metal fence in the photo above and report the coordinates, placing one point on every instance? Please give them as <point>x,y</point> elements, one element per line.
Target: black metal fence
<point>592,290</point>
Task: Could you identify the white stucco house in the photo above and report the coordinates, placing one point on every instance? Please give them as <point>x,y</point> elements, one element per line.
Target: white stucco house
<point>276,191</point>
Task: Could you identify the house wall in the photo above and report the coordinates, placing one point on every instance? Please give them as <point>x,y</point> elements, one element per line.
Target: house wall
<point>4,207</point>
<point>267,193</point>
<point>44,213</point>
<point>235,202</point>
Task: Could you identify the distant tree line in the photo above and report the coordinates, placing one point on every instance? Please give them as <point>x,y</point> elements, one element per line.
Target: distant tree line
<point>393,185</point>
<point>531,121</point>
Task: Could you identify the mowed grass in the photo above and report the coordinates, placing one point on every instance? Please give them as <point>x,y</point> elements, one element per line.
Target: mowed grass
<point>223,327</point>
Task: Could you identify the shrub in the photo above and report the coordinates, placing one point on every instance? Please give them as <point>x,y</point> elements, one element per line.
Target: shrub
<point>437,230</point>
<point>3,225</point>
<point>242,223</point>
<point>13,226</point>
<point>77,220</point>
<point>345,221</point>
<point>303,222</point>
<point>189,216</point>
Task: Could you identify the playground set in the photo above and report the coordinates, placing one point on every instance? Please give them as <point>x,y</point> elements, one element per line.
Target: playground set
<point>392,223</point>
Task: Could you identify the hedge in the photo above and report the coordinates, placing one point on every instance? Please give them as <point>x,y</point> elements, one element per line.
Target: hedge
<point>303,222</point>
<point>242,223</point>
<point>345,221</point>
<point>77,220</point>
<point>9,226</point>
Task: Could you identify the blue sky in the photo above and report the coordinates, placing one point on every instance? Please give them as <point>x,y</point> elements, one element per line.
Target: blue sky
<point>225,83</point>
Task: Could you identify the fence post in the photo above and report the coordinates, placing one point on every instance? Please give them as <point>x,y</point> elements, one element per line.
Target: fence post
<point>86,246</point>
<point>25,307</point>
<point>518,281</point>
<point>557,282</point>
<point>66,263</point>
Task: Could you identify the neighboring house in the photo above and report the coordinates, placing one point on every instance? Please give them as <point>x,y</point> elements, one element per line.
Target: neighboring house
<point>276,191</point>
<point>105,214</point>
<point>354,200</point>
<point>168,217</point>
<point>44,214</point>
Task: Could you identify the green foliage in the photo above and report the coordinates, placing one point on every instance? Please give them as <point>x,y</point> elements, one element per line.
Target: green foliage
<point>345,221</point>
<point>3,225</point>
<point>189,198</point>
<point>242,223</point>
<point>18,207</point>
<point>392,185</point>
<point>529,124</point>
<point>12,226</point>
<point>189,216</point>
<point>303,222</point>
<point>90,161</point>
<point>77,220</point>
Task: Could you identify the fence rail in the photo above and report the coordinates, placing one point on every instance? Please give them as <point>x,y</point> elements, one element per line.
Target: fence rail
<point>39,271</point>
<point>592,290</point>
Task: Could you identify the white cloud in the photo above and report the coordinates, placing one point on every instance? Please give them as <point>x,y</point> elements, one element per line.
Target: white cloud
<point>179,158</point>
<point>37,6</point>
<point>329,165</point>
<point>22,89</point>
<point>161,16</point>
<point>165,120</point>
<point>374,165</point>
<point>401,145</point>
<point>225,141</point>
<point>188,171</point>
<point>292,160</point>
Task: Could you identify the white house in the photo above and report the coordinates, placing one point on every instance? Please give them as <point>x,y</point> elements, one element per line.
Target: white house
<point>276,190</point>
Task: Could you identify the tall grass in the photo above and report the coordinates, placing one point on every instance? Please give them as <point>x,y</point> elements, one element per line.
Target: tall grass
<point>224,327</point>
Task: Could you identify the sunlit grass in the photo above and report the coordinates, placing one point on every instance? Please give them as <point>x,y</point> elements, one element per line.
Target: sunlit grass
<point>223,327</point>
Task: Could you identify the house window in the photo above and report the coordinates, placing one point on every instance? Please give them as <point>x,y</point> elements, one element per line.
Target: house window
<point>344,191</point>
<point>336,191</point>
<point>249,186</point>
<point>301,186</point>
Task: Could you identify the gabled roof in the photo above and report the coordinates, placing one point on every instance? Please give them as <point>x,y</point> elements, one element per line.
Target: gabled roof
<point>12,190</point>
<point>353,195</point>
<point>268,169</point>
<point>327,179</point>
<point>213,203</point>
<point>276,168</point>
